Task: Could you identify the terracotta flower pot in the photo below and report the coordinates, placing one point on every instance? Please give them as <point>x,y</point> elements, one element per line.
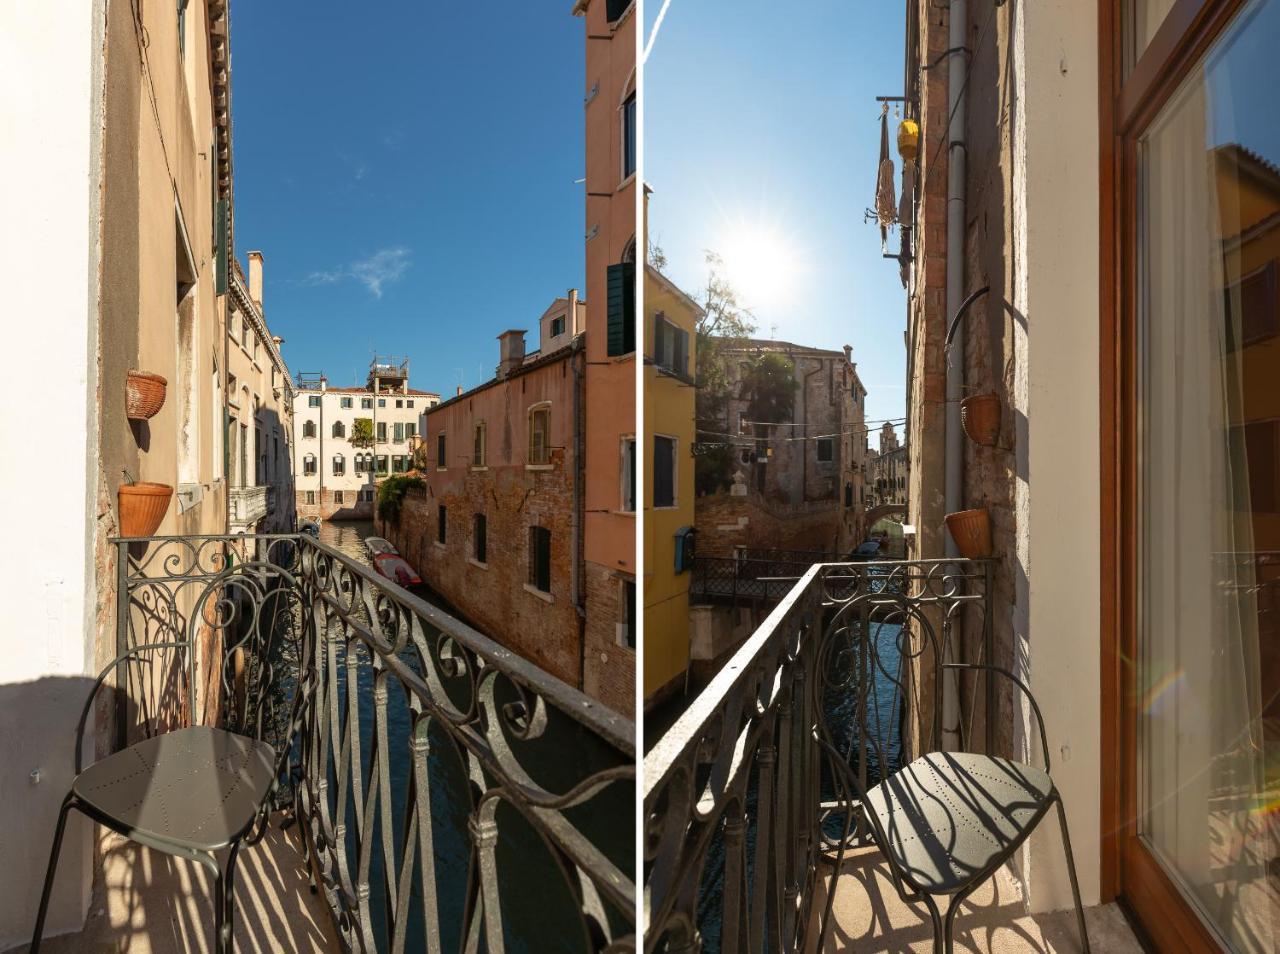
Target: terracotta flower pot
<point>980,418</point>
<point>971,530</point>
<point>142,507</point>
<point>144,395</point>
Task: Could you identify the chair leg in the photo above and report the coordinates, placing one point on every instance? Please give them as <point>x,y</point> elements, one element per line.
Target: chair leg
<point>937,923</point>
<point>949,926</point>
<point>1075,885</point>
<point>67,804</point>
<point>228,900</point>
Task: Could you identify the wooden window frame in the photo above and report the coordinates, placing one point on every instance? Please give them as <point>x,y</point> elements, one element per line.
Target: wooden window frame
<point>532,458</point>
<point>1127,106</point>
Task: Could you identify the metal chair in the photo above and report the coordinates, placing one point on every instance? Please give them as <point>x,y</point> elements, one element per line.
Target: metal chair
<point>194,791</point>
<point>946,821</point>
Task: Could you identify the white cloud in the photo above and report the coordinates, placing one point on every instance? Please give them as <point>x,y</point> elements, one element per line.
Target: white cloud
<point>374,271</point>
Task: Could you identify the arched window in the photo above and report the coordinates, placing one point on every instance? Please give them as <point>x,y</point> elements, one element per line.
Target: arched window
<point>309,464</point>
<point>339,465</point>
<point>339,429</point>
<point>309,429</point>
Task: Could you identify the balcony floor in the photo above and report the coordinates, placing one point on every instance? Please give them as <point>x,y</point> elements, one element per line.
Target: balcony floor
<point>869,917</point>
<point>147,902</point>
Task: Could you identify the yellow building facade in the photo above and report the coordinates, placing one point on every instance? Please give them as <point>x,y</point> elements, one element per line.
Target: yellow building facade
<point>670,368</point>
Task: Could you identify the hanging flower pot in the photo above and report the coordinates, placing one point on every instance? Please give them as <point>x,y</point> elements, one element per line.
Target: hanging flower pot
<point>980,418</point>
<point>144,395</point>
<point>142,508</point>
<point>971,530</point>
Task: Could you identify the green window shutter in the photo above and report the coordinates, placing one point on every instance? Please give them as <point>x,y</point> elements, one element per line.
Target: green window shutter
<point>621,293</point>
<point>222,261</point>
<point>659,352</point>
<point>681,365</point>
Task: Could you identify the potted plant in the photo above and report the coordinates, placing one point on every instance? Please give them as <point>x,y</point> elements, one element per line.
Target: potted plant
<point>971,530</point>
<point>142,507</point>
<point>980,418</point>
<point>144,395</point>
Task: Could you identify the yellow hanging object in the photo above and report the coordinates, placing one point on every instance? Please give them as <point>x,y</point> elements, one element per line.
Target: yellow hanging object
<point>908,138</point>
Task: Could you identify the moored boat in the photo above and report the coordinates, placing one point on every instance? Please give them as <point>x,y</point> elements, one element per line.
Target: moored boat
<point>388,561</point>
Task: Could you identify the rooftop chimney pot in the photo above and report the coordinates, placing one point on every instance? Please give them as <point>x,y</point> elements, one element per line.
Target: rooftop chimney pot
<point>255,278</point>
<point>510,351</point>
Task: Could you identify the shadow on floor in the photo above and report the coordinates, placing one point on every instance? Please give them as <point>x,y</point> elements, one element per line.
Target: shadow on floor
<point>868,916</point>
<point>147,902</point>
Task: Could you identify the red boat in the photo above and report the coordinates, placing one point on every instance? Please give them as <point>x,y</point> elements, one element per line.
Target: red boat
<point>388,561</point>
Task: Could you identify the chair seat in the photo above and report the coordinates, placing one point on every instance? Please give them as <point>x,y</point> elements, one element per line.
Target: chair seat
<point>195,788</point>
<point>949,816</point>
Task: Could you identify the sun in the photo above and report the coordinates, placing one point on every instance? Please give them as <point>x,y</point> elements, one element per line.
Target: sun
<point>761,263</point>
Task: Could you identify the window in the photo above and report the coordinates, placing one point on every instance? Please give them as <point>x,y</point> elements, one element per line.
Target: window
<point>826,448</point>
<point>382,463</point>
<point>442,447</point>
<point>357,463</point>
<point>480,538</point>
<point>627,614</point>
<point>629,136</point>
<point>478,446</point>
<point>339,498</point>
<point>409,403</point>
<point>339,465</point>
<point>382,432</point>
<point>540,559</point>
<point>398,432</point>
<point>313,400</point>
<point>339,429</point>
<point>664,471</point>
<point>629,474</point>
<point>540,434</point>
<point>345,402</point>
<point>399,464</point>
<point>442,518</point>
<point>366,403</point>
<point>557,326</point>
<point>399,402</point>
<point>410,430</point>
<point>670,346</point>
<point>309,464</point>
<point>311,498</point>
<point>621,295</point>
<point>382,402</point>
<point>309,429</point>
<point>614,9</point>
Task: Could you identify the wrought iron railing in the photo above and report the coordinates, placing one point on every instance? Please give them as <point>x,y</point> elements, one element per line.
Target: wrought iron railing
<point>738,802</point>
<point>745,579</point>
<point>450,795</point>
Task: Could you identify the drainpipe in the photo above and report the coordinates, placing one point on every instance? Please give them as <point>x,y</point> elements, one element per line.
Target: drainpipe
<point>804,445</point>
<point>957,81</point>
<point>575,546</point>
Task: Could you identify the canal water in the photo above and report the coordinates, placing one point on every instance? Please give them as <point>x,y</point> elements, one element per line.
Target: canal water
<point>537,899</point>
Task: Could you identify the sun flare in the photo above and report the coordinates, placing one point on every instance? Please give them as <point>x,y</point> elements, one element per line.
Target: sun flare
<point>761,263</point>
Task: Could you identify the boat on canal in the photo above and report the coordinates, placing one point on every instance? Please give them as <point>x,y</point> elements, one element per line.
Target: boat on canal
<point>388,561</point>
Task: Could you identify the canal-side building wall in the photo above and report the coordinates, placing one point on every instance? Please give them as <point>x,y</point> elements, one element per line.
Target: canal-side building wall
<point>610,138</point>
<point>501,467</point>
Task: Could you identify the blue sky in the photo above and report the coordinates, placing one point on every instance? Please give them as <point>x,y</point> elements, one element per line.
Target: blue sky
<point>761,140</point>
<point>408,176</point>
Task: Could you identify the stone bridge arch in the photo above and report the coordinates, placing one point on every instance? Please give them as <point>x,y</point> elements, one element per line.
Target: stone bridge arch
<point>875,514</point>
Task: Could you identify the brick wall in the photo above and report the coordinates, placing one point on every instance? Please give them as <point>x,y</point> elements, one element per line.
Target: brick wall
<point>327,508</point>
<point>495,597</point>
<point>725,521</point>
<point>610,666</point>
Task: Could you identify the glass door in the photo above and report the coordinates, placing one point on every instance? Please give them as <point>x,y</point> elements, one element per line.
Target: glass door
<point>1206,673</point>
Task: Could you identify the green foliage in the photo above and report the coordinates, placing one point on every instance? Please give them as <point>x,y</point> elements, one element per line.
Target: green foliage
<point>769,387</point>
<point>391,495</point>
<point>713,469</point>
<point>362,432</point>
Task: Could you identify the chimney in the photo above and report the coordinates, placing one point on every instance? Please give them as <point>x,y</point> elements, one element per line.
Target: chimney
<point>324,383</point>
<point>848,353</point>
<point>278,340</point>
<point>511,351</point>
<point>255,278</point>
<point>459,391</point>
<point>571,321</point>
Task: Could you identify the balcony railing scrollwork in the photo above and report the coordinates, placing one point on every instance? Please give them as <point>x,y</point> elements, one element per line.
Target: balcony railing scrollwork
<point>450,794</point>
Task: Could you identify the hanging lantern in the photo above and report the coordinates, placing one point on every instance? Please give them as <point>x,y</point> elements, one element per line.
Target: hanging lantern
<point>908,138</point>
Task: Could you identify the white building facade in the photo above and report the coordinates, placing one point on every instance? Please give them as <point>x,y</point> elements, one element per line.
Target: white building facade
<point>346,438</point>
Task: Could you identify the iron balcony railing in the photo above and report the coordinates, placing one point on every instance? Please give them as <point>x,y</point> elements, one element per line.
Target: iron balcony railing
<point>451,796</point>
<point>738,803</point>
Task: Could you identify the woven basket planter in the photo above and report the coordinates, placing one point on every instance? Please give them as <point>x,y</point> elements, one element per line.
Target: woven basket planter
<point>980,418</point>
<point>142,508</point>
<point>144,395</point>
<point>971,530</point>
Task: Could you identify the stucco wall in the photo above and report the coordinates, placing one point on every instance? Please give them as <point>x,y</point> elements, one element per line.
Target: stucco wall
<point>49,257</point>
